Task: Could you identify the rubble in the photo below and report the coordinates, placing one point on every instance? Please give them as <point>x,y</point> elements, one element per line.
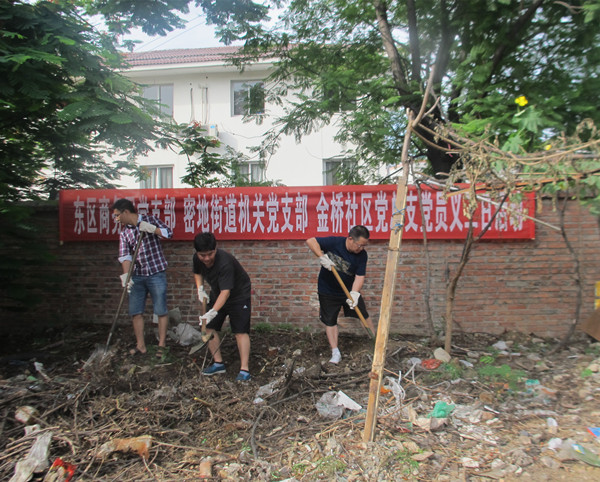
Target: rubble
<point>493,410</point>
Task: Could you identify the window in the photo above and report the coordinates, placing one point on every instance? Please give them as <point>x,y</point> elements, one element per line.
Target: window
<point>159,177</point>
<point>332,169</point>
<point>248,97</point>
<point>252,172</point>
<point>163,94</point>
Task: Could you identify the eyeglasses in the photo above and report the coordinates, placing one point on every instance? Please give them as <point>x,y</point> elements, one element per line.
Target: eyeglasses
<point>361,246</point>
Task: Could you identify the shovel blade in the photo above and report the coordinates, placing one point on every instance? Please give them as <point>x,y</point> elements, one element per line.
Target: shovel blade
<point>199,346</point>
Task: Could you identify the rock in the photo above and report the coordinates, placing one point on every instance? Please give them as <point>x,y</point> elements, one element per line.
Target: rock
<point>469,463</point>
<point>534,357</point>
<point>549,462</point>
<point>441,355</point>
<point>411,446</point>
<point>524,440</point>
<point>422,456</point>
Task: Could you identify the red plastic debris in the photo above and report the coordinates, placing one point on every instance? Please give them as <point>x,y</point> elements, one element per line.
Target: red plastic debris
<point>430,364</point>
<point>60,471</point>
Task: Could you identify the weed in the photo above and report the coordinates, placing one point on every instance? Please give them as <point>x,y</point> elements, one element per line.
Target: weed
<point>453,370</point>
<point>586,373</point>
<point>262,327</point>
<point>329,466</point>
<point>287,327</point>
<point>593,349</point>
<point>404,458</point>
<point>487,359</point>
<point>300,468</point>
<point>502,373</point>
<point>446,371</point>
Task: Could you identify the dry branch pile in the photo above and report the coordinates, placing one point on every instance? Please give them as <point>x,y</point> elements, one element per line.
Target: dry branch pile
<point>160,419</point>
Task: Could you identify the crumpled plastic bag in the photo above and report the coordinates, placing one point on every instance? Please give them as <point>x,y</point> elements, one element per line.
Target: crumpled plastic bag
<point>441,410</point>
<point>36,460</point>
<point>333,404</point>
<point>394,386</point>
<point>185,334</point>
<point>328,407</point>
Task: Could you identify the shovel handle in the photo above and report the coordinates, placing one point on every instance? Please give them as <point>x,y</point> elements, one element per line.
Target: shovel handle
<point>129,274</point>
<point>358,312</point>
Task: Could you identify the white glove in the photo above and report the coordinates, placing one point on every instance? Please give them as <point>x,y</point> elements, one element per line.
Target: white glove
<point>124,280</point>
<point>326,262</point>
<point>353,300</point>
<point>202,296</point>
<point>207,317</point>
<point>147,227</point>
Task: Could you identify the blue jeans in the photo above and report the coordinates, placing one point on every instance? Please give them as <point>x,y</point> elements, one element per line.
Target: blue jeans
<point>156,286</point>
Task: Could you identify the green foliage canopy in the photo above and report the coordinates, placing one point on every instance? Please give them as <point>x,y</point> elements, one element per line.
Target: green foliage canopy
<point>363,64</point>
<point>64,111</point>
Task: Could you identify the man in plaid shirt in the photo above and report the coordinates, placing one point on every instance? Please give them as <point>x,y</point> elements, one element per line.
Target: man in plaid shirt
<point>149,274</point>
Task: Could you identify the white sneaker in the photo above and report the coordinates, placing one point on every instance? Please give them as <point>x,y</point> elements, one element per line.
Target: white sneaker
<point>336,357</point>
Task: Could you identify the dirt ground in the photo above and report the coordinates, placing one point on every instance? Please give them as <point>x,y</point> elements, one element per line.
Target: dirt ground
<point>505,409</point>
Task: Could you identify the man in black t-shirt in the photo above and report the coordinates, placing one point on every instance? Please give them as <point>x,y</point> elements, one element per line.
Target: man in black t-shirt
<point>230,290</point>
<point>349,257</point>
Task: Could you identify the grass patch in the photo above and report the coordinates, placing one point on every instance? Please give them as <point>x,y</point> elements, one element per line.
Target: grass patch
<point>287,327</point>
<point>502,373</point>
<point>404,458</point>
<point>593,349</point>
<point>329,466</point>
<point>446,371</point>
<point>262,327</point>
<point>300,468</point>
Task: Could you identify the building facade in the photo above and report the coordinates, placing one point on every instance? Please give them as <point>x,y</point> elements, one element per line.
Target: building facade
<point>202,86</point>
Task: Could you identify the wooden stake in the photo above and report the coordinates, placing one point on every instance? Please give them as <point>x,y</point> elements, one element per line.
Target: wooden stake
<point>389,283</point>
<point>383,327</point>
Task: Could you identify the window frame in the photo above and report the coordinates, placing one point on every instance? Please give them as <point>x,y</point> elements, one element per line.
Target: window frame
<point>329,173</point>
<point>154,177</point>
<point>166,108</point>
<point>251,166</point>
<point>247,86</point>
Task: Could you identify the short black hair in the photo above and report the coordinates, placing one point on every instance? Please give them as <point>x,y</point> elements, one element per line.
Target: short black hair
<point>205,242</point>
<point>359,232</point>
<point>124,205</point>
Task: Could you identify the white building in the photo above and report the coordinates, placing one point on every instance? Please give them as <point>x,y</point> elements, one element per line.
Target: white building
<point>200,85</point>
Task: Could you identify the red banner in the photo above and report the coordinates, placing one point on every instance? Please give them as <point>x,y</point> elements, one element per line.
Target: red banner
<point>289,213</point>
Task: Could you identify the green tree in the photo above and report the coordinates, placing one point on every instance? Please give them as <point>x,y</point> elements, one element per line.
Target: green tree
<point>64,107</point>
<point>377,56</point>
<point>68,118</point>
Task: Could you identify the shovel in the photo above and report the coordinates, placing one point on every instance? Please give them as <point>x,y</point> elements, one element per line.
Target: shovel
<point>347,293</point>
<point>129,273</point>
<point>205,336</point>
<point>100,352</point>
<point>356,309</point>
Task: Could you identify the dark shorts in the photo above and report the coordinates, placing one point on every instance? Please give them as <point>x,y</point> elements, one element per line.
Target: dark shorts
<point>239,317</point>
<point>330,308</point>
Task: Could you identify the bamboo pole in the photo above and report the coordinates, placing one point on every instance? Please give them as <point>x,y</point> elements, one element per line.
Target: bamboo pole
<point>389,282</point>
<point>383,327</point>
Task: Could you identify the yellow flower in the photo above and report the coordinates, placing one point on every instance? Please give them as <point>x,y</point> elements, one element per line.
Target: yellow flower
<point>521,100</point>
<point>548,147</point>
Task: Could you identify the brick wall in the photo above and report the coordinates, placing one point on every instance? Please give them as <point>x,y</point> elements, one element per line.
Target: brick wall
<point>527,286</point>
